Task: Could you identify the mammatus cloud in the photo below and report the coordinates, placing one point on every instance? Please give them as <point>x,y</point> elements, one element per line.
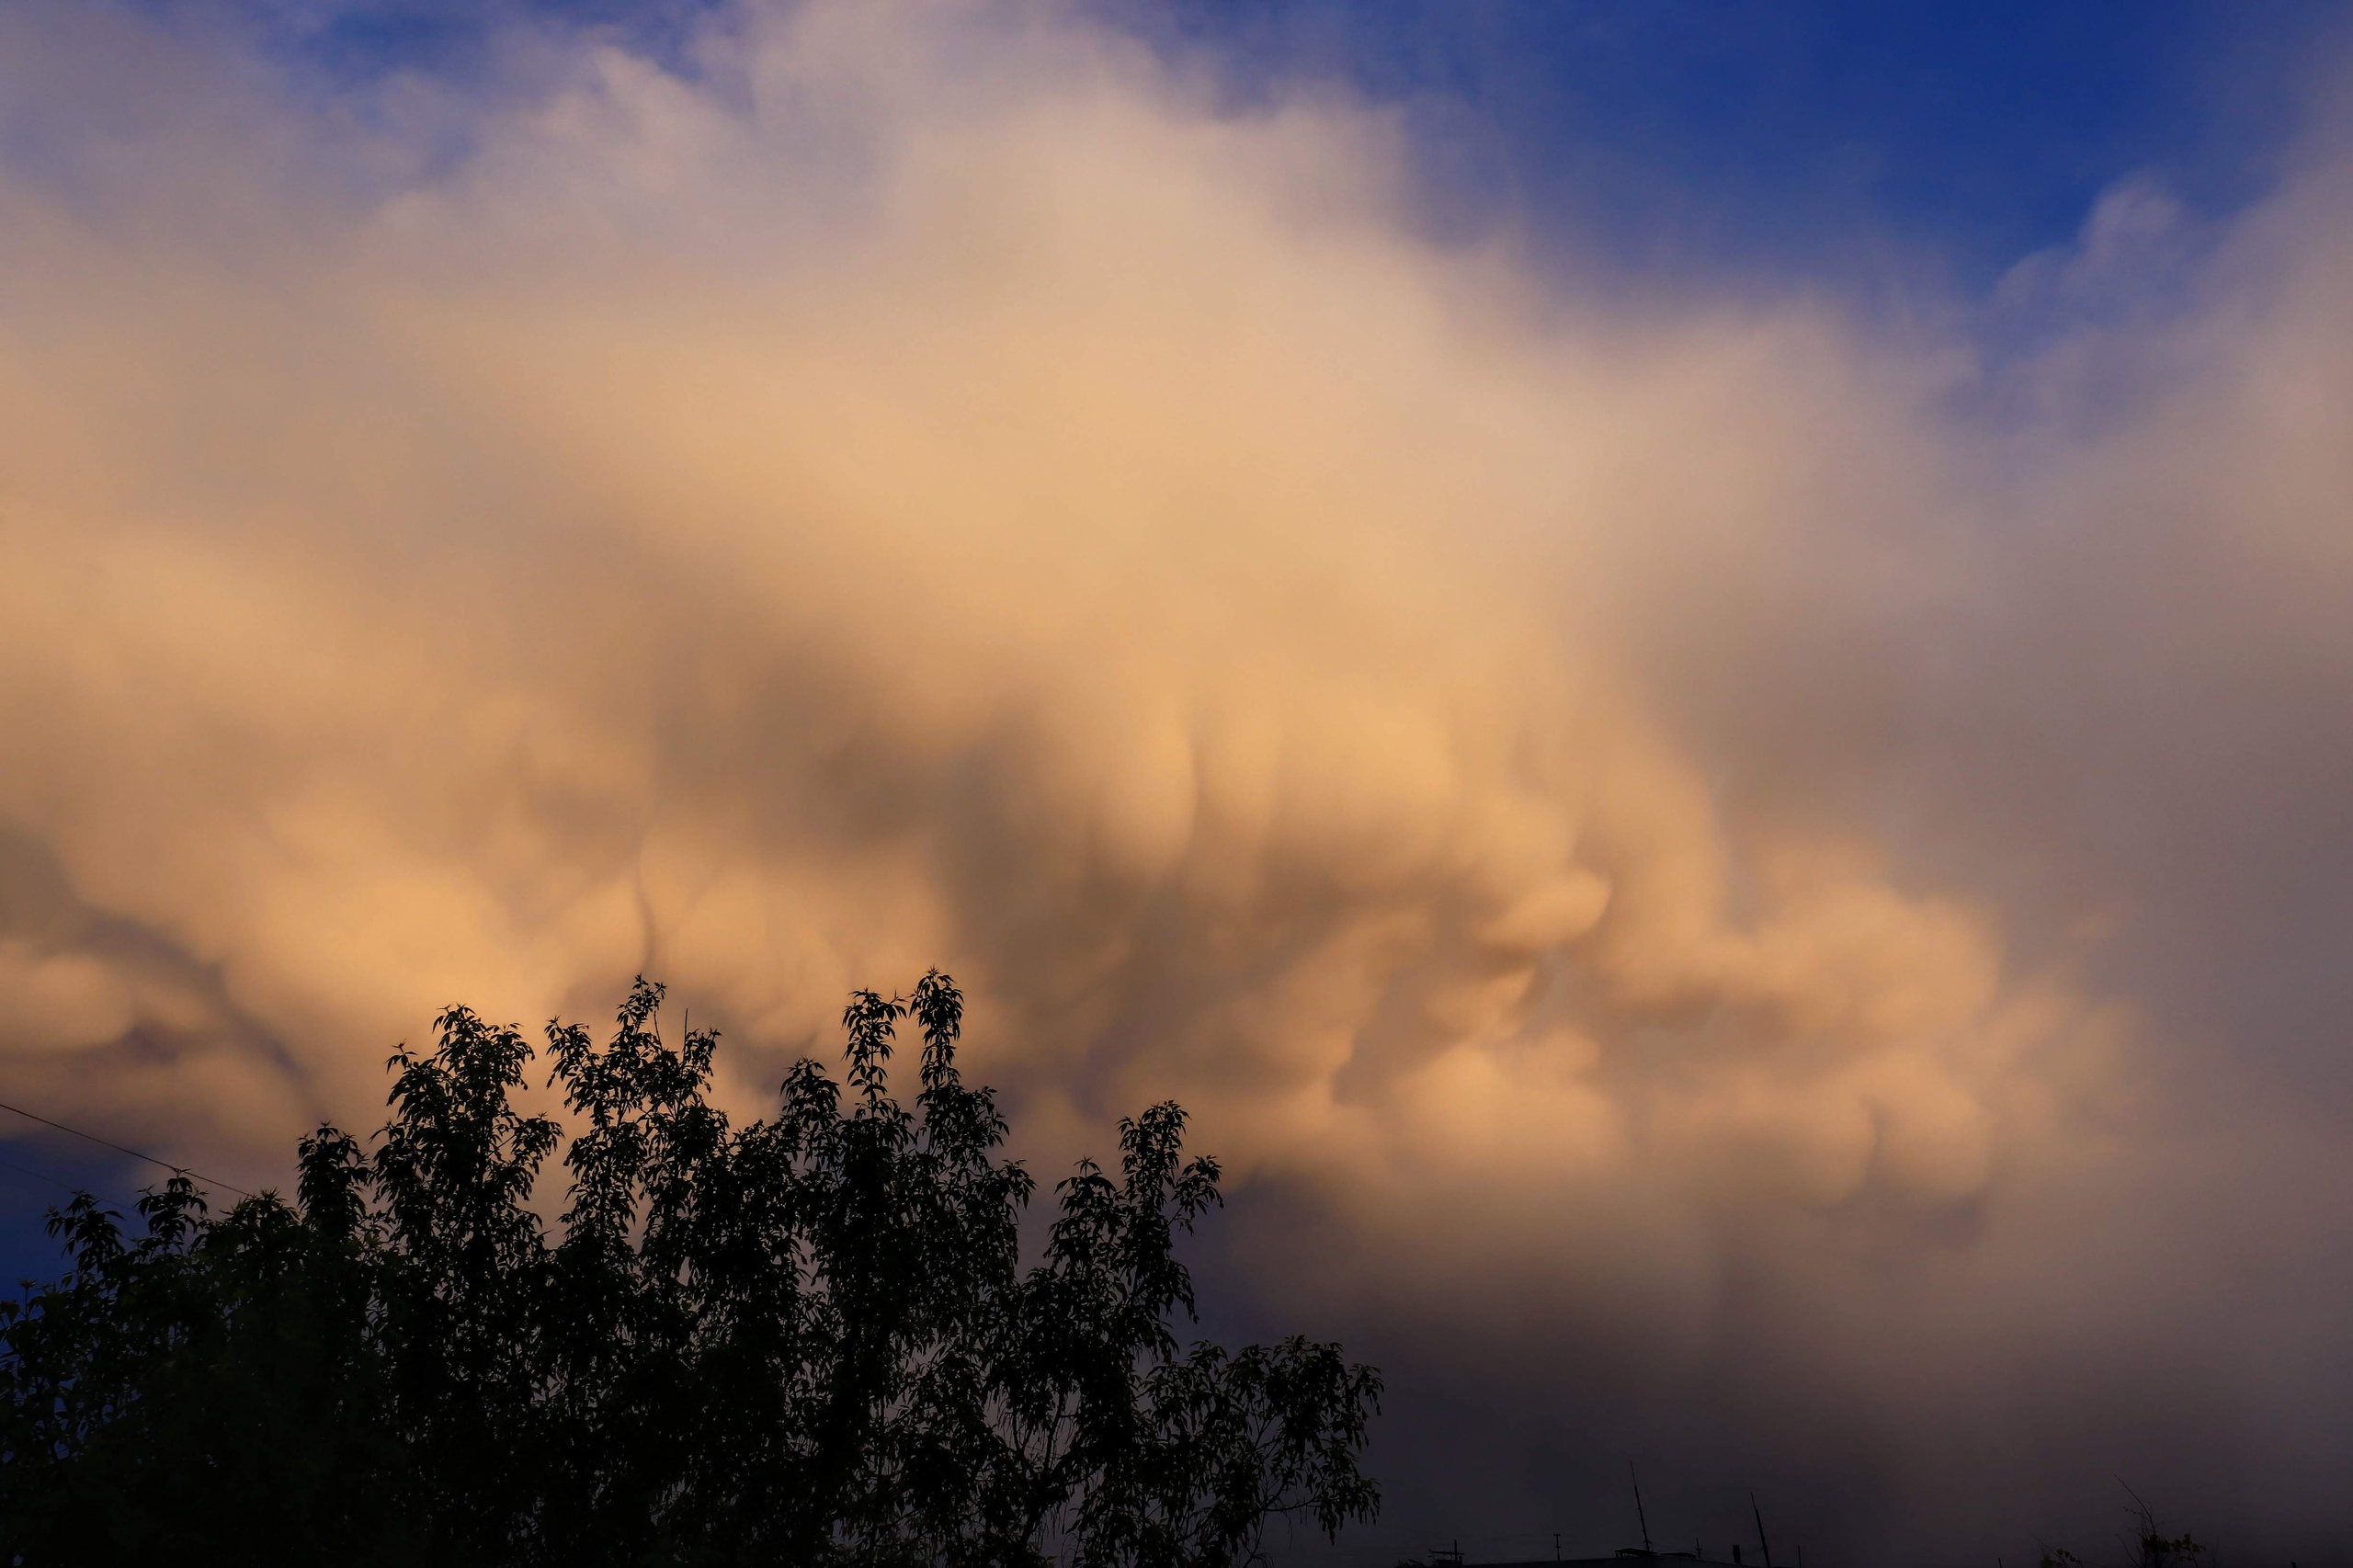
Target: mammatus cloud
<point>1585,797</point>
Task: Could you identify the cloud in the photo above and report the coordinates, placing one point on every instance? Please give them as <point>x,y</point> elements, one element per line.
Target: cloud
<point>1595,798</point>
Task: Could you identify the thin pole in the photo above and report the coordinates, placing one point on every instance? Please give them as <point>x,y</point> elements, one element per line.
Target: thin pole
<point>1640,1518</point>
<point>1760,1529</point>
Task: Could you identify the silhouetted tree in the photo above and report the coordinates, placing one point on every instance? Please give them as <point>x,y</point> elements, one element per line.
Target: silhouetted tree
<point>2147,1544</point>
<point>809,1340</point>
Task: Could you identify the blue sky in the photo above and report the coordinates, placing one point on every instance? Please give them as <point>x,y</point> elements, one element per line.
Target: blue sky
<point>1801,132</point>
<point>41,1170</point>
<point>1825,139</point>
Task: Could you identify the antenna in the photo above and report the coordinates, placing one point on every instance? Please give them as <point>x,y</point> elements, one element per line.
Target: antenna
<point>1642,1519</point>
<point>1760,1529</point>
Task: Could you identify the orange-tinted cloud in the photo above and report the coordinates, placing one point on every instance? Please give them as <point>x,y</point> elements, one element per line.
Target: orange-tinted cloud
<point>931,488</point>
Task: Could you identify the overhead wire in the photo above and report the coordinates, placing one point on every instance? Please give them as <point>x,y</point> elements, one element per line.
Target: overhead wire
<point>38,1175</point>
<point>121,1149</point>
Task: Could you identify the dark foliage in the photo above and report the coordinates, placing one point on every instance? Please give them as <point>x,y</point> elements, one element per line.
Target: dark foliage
<point>2147,1543</point>
<point>810,1340</point>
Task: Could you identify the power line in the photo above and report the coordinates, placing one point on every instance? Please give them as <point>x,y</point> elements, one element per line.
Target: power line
<point>119,1149</point>
<point>38,1175</point>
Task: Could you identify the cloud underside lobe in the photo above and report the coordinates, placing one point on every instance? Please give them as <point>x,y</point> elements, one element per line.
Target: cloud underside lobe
<point>1625,791</point>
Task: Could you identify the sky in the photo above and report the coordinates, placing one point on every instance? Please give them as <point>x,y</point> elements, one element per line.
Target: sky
<point>1682,667</point>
